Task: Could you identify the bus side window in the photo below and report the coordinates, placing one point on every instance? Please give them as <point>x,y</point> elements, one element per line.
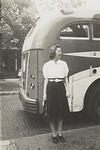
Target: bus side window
<point>75,30</point>
<point>96,31</point>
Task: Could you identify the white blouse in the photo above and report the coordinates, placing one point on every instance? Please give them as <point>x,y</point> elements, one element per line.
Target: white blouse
<point>53,69</point>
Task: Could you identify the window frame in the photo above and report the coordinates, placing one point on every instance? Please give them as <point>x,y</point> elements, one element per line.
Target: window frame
<point>75,38</point>
<point>93,38</point>
<point>26,70</point>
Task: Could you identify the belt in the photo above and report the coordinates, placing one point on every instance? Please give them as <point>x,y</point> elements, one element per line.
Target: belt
<point>56,80</point>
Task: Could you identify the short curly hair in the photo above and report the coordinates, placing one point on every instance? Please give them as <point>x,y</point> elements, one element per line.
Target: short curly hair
<point>53,51</point>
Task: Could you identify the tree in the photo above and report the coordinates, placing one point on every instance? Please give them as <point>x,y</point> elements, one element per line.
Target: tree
<point>17,17</point>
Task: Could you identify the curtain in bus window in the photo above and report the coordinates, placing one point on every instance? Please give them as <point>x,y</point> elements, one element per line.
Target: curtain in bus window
<point>96,30</point>
<point>75,30</point>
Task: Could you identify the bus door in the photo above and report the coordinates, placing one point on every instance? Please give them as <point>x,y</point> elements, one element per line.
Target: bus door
<point>40,79</point>
<point>70,61</point>
<point>76,47</point>
<point>32,76</point>
<point>95,55</point>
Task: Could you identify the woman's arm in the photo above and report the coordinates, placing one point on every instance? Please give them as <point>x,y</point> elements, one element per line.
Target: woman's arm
<point>44,91</point>
<point>67,87</point>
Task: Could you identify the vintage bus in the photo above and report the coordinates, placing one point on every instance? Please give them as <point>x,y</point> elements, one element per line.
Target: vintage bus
<point>78,34</point>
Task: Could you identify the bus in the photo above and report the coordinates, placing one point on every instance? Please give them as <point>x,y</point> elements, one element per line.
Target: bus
<point>78,34</point>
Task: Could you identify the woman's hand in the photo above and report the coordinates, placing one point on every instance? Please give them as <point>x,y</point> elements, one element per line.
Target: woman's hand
<point>67,87</point>
<point>44,92</point>
<point>67,94</point>
<point>44,98</point>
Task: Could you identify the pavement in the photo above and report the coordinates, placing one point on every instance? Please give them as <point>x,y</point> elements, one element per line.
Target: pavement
<point>78,139</point>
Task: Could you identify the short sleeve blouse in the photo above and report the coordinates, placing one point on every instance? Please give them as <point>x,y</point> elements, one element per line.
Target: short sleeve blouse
<point>55,70</point>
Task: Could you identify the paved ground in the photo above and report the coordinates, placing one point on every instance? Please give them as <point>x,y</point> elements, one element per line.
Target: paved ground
<point>79,139</point>
<point>17,123</point>
<point>23,131</point>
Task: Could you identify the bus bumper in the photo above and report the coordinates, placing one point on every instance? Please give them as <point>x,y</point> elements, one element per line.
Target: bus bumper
<point>29,105</point>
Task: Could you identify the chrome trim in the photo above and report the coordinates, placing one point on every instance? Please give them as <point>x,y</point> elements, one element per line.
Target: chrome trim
<point>29,105</point>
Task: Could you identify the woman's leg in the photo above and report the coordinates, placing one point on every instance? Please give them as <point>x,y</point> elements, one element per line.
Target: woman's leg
<point>59,123</point>
<point>53,127</point>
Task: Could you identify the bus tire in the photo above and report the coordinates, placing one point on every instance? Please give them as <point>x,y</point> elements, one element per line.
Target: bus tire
<point>93,104</point>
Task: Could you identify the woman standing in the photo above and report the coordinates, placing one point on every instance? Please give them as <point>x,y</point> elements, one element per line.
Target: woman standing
<point>56,91</point>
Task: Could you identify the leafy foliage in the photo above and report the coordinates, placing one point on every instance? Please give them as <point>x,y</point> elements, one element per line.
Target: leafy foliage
<point>17,17</point>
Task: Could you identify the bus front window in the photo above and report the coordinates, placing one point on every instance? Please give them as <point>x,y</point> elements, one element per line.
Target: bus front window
<point>24,69</point>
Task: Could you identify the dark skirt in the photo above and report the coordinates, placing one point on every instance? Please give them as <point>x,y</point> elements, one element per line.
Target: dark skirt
<point>57,102</point>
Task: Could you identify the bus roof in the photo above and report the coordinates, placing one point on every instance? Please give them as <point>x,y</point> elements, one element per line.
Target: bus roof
<point>48,27</point>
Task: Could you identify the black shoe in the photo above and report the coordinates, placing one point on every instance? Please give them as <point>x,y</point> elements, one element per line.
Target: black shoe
<point>55,140</point>
<point>61,138</point>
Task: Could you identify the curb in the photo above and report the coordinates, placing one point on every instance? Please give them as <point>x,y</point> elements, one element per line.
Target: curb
<point>9,93</point>
<point>8,145</point>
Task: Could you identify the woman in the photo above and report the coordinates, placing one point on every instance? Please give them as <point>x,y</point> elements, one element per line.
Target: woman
<point>56,91</point>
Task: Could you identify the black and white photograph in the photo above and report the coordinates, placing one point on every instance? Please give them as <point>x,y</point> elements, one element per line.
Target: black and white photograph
<point>50,75</point>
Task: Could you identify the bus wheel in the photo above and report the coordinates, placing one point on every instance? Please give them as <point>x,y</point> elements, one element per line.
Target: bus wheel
<point>93,105</point>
